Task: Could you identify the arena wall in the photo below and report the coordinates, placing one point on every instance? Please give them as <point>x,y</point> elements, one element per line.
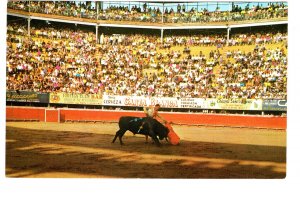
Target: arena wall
<point>64,115</point>
<point>25,113</point>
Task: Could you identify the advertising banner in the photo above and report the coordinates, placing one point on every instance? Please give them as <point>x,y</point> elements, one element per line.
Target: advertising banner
<point>113,100</point>
<point>69,98</point>
<point>166,102</point>
<point>192,103</point>
<point>140,101</point>
<point>274,105</point>
<point>27,96</point>
<point>233,104</point>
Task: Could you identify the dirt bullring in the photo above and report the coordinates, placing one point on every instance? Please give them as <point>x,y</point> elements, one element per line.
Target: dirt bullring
<point>65,150</point>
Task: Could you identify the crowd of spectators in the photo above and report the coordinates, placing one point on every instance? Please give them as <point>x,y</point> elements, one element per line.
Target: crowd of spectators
<point>151,14</point>
<point>221,40</point>
<point>58,59</point>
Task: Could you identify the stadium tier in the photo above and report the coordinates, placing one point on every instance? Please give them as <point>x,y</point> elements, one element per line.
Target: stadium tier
<point>155,12</point>
<point>182,55</point>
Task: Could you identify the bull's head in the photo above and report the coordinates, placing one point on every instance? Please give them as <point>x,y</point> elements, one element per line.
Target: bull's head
<point>163,133</point>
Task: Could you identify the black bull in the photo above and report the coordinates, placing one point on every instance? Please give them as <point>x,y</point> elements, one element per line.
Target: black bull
<point>151,127</point>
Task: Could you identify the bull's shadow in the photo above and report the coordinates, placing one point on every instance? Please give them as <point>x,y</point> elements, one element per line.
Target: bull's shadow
<point>100,164</point>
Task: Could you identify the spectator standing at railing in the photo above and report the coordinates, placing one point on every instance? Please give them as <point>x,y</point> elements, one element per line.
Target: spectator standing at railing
<point>178,8</point>
<point>183,7</point>
<point>145,7</point>
<point>102,39</point>
<point>82,12</point>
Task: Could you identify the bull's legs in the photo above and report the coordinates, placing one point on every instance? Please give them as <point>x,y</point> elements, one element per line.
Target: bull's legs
<point>120,137</point>
<point>119,134</point>
<point>152,135</point>
<point>146,138</point>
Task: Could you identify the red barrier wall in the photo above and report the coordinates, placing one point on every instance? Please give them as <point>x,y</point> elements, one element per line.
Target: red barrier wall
<point>177,118</point>
<point>229,120</point>
<point>25,113</point>
<point>52,115</point>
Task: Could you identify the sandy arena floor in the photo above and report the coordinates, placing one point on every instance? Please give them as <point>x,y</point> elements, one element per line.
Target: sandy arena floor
<point>82,150</point>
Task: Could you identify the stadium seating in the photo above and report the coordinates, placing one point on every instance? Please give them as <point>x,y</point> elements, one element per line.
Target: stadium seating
<point>57,59</point>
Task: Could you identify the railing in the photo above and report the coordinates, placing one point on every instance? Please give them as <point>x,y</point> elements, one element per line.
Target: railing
<point>173,19</point>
